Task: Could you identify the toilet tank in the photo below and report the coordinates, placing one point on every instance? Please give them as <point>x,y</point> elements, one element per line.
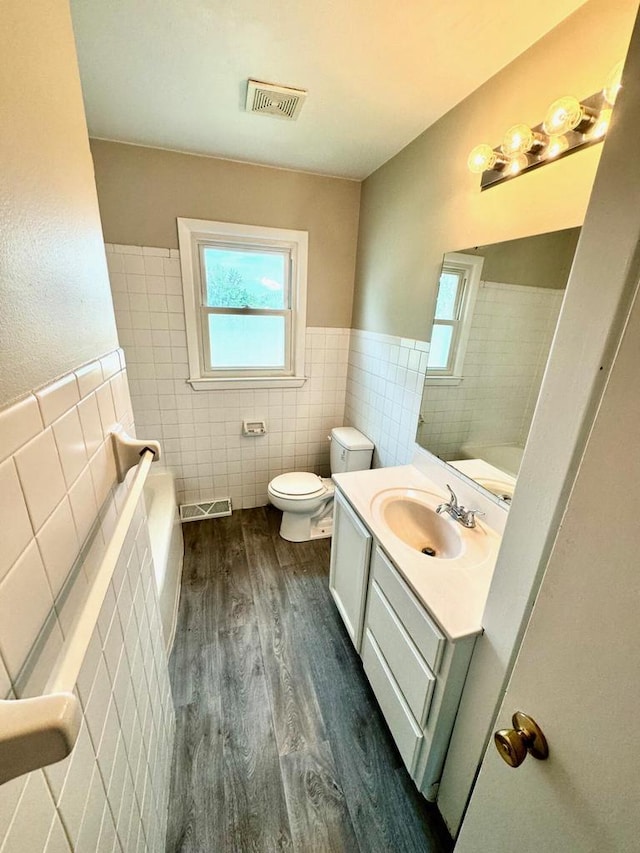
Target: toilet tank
<point>350,450</point>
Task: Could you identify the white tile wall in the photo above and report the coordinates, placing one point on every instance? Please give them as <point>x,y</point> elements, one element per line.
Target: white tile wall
<point>17,531</point>
<point>384,389</point>
<point>509,342</point>
<point>200,431</point>
<point>58,502</point>
<point>18,424</point>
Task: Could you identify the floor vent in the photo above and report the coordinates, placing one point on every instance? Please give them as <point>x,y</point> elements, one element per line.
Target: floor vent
<point>205,509</point>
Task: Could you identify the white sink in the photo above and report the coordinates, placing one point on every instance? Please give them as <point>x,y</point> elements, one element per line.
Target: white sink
<point>410,515</point>
<point>453,589</point>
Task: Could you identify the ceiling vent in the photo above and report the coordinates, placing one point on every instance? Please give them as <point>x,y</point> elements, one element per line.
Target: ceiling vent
<point>279,101</point>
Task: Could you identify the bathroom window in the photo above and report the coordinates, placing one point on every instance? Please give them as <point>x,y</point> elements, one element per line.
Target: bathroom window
<point>245,304</point>
<point>457,290</point>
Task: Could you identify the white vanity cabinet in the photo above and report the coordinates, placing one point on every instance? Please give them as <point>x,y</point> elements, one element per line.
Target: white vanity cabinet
<point>416,673</point>
<point>349,570</point>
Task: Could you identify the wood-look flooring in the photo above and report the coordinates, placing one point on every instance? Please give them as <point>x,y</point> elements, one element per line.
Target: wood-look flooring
<point>280,745</point>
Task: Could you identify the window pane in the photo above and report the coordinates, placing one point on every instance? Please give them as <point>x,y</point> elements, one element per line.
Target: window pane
<point>241,342</point>
<point>447,295</point>
<point>440,346</point>
<point>241,278</point>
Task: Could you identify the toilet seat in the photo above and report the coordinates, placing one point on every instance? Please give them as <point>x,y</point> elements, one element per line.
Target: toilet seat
<point>298,485</point>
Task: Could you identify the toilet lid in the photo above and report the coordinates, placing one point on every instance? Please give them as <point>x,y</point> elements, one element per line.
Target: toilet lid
<point>298,484</point>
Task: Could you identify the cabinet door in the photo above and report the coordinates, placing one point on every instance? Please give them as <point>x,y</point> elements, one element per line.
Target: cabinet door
<point>349,572</point>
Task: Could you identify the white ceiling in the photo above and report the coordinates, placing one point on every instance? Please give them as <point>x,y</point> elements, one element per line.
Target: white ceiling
<point>172,73</point>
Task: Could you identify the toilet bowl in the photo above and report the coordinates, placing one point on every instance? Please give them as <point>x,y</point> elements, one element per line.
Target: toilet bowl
<point>306,499</point>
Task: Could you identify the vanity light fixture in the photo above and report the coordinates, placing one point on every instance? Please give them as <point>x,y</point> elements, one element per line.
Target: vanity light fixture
<point>613,83</point>
<point>567,114</point>
<point>520,139</point>
<point>602,124</point>
<point>556,146</point>
<point>516,164</point>
<point>483,157</point>
<point>568,126</point>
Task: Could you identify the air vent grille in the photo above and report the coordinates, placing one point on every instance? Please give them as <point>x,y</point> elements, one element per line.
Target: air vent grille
<point>279,101</point>
<point>205,509</point>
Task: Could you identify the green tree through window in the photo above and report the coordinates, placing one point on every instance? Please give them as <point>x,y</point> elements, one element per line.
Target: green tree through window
<point>225,288</point>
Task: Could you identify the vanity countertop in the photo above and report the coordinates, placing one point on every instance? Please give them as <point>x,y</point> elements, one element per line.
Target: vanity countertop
<point>453,595</point>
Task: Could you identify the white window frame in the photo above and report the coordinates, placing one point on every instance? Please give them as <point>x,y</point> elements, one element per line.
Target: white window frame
<point>193,234</point>
<point>471,265</point>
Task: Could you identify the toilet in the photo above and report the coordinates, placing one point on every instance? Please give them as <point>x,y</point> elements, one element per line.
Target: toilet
<point>306,500</point>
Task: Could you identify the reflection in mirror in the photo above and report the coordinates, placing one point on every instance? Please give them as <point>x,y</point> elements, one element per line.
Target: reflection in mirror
<point>496,312</point>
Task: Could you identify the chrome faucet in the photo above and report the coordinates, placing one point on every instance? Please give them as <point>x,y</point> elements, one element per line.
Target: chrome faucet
<point>466,517</point>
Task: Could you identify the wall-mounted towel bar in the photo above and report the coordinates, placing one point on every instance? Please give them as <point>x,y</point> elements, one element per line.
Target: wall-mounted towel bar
<point>42,730</point>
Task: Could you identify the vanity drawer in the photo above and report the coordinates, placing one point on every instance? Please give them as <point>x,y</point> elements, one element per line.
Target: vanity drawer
<point>404,729</point>
<point>412,675</point>
<point>424,633</point>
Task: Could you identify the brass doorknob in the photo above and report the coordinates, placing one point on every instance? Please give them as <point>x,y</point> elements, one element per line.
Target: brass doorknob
<point>525,737</point>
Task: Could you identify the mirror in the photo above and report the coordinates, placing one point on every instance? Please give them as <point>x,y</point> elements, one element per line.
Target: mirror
<point>496,313</point>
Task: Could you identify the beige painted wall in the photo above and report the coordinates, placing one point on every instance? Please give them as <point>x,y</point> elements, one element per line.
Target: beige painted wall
<point>424,202</point>
<point>542,260</point>
<point>142,191</point>
<point>56,303</point>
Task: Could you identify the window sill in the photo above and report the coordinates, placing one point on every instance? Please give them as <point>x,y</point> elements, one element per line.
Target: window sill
<point>252,383</point>
<point>443,380</point>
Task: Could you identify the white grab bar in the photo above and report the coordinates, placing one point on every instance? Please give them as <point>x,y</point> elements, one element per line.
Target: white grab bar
<point>42,730</point>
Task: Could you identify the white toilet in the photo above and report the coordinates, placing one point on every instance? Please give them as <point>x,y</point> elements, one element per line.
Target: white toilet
<point>306,500</point>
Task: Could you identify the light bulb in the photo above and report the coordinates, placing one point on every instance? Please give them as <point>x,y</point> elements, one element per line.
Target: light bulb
<point>520,138</point>
<point>567,114</point>
<point>483,158</point>
<point>517,164</point>
<point>602,124</point>
<point>557,145</point>
<point>613,83</point>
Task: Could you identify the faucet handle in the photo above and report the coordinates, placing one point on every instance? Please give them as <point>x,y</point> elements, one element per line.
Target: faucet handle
<point>470,516</point>
<point>454,500</point>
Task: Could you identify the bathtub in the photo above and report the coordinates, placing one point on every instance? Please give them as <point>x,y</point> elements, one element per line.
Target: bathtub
<point>507,457</point>
<point>167,546</point>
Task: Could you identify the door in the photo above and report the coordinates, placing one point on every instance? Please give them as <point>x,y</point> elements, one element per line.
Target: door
<point>578,671</point>
<point>349,570</point>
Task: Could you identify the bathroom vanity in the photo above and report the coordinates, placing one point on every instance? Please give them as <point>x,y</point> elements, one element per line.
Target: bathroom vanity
<point>413,618</point>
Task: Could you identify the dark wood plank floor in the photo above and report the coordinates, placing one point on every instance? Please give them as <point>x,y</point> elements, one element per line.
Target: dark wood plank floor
<point>279,741</point>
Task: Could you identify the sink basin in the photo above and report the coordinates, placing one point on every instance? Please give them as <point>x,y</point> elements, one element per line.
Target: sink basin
<point>410,515</point>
